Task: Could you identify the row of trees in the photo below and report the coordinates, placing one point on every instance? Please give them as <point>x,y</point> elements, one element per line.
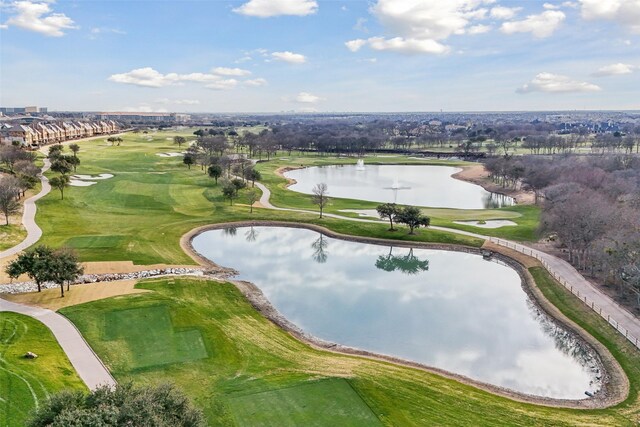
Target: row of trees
<point>18,174</point>
<point>63,164</point>
<point>43,264</point>
<point>590,208</point>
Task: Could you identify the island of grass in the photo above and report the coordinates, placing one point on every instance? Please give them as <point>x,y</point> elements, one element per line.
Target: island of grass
<point>24,382</point>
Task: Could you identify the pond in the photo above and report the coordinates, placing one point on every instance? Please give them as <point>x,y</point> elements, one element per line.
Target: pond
<point>450,310</point>
<point>417,185</point>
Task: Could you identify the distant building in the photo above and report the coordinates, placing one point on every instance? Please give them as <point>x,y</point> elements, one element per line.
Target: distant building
<point>23,110</point>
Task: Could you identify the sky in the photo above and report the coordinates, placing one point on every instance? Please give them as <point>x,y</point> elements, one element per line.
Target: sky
<point>324,56</point>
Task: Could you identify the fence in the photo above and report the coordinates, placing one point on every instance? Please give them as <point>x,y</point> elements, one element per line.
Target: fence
<point>597,309</point>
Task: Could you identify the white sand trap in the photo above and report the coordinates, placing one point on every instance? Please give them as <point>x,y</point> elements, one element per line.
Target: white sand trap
<point>372,213</point>
<point>79,183</point>
<point>89,177</point>
<point>169,139</point>
<point>491,223</point>
<point>386,156</point>
<point>169,154</point>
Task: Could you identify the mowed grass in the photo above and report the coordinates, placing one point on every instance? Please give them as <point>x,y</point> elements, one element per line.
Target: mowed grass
<point>11,235</point>
<point>25,383</point>
<point>140,214</point>
<point>526,217</point>
<point>251,362</point>
<point>299,405</point>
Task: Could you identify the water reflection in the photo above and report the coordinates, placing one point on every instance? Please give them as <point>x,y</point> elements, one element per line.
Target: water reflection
<point>417,185</point>
<point>251,235</point>
<point>408,264</point>
<point>463,314</point>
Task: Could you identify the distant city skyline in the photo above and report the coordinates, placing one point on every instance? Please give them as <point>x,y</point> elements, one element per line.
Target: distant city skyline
<point>306,55</point>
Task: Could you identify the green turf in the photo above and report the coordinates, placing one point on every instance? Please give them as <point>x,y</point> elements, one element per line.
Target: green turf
<point>253,356</point>
<point>11,235</point>
<point>150,338</point>
<point>24,383</point>
<point>299,405</point>
<point>140,214</point>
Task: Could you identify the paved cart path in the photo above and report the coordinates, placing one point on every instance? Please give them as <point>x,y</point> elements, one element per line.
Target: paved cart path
<point>86,363</point>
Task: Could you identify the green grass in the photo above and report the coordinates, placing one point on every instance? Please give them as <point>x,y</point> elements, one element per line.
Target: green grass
<point>11,235</point>
<point>141,213</point>
<point>525,216</point>
<point>252,356</point>
<point>299,405</point>
<point>24,383</point>
<point>148,338</point>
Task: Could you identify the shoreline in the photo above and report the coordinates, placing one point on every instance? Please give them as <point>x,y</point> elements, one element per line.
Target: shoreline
<point>614,382</point>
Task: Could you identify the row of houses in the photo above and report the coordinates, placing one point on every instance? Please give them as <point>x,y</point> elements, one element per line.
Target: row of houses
<point>41,133</point>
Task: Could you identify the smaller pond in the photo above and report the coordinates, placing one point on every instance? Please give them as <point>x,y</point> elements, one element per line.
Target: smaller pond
<point>450,310</point>
<point>417,185</point>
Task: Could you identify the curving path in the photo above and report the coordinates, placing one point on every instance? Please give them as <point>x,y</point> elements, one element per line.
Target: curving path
<point>88,366</point>
<point>618,317</point>
<point>29,216</point>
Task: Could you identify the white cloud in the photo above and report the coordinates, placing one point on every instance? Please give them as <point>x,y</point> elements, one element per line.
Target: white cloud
<point>3,26</point>
<point>399,44</point>
<point>224,71</point>
<point>307,98</point>
<point>418,26</point>
<point>148,77</point>
<point>269,8</point>
<point>167,101</point>
<point>501,12</point>
<point>615,70</point>
<point>38,17</point>
<point>255,82</point>
<point>361,25</point>
<point>541,26</point>
<point>554,83</point>
<point>222,84</point>
<point>479,29</point>
<point>550,6</point>
<point>623,12</point>
<point>290,57</point>
<point>355,45</point>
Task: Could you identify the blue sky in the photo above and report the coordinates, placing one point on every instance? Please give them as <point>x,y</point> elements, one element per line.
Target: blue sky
<point>306,55</point>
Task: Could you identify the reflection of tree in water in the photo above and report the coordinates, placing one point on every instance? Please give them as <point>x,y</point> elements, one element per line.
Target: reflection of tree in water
<point>408,264</point>
<point>319,247</point>
<point>495,200</point>
<point>568,343</point>
<point>230,231</point>
<point>251,235</point>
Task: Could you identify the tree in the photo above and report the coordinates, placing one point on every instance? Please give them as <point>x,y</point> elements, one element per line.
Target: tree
<point>60,182</point>
<point>65,268</point>
<point>73,161</point>
<point>252,197</point>
<point>55,151</point>
<point>389,211</point>
<point>238,184</point>
<point>319,196</point>
<point>229,191</point>
<point>251,174</point>
<point>215,172</point>
<point>413,218</point>
<point>36,263</point>
<point>188,160</point>
<point>160,406</point>
<point>9,191</point>
<point>74,149</point>
<point>179,140</point>
<point>61,165</point>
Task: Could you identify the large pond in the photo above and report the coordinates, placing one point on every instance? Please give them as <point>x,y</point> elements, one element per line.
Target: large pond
<point>450,310</point>
<point>417,185</point>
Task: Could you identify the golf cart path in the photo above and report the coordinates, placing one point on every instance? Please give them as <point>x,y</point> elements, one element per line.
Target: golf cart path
<point>29,216</point>
<point>86,363</point>
<point>617,316</point>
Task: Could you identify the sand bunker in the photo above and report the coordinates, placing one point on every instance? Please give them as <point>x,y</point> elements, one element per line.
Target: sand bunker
<point>80,183</point>
<point>169,154</point>
<point>363,212</point>
<point>492,223</point>
<point>89,177</point>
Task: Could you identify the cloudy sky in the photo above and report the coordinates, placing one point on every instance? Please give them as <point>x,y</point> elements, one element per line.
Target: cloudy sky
<point>308,55</point>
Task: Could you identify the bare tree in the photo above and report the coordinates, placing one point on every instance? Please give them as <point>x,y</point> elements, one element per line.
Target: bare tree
<point>320,196</point>
<point>9,191</point>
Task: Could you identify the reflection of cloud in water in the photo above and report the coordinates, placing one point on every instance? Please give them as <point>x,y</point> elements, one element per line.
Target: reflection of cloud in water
<point>464,314</point>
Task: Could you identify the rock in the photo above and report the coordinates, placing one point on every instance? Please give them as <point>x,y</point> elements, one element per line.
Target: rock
<point>30,355</point>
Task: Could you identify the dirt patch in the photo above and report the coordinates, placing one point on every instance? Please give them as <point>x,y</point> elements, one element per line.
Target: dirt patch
<point>282,170</point>
<point>477,174</point>
<point>79,294</point>
<point>615,384</point>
